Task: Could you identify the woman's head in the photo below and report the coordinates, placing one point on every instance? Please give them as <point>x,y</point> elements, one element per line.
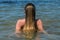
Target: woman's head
<point>30,10</point>
<point>30,4</point>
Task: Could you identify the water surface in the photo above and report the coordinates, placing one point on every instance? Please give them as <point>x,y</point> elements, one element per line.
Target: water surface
<point>47,11</point>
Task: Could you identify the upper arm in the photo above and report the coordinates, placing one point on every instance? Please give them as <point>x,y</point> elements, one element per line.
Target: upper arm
<point>40,25</point>
<point>18,24</point>
<point>39,22</point>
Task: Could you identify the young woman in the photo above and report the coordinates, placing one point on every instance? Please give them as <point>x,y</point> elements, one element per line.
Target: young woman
<point>30,15</point>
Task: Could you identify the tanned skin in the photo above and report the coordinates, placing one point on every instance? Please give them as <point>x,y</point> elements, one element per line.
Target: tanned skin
<point>21,22</point>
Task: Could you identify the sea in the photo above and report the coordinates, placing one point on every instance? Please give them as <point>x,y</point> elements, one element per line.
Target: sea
<point>46,10</point>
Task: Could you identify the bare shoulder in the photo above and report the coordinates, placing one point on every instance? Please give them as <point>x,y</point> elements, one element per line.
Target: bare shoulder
<point>39,21</point>
<point>20,20</point>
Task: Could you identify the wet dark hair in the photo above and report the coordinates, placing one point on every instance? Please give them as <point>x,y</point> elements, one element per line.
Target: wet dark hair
<point>30,16</point>
<point>30,4</point>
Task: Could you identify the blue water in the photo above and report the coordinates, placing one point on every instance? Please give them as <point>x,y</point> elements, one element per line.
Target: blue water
<point>46,10</point>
